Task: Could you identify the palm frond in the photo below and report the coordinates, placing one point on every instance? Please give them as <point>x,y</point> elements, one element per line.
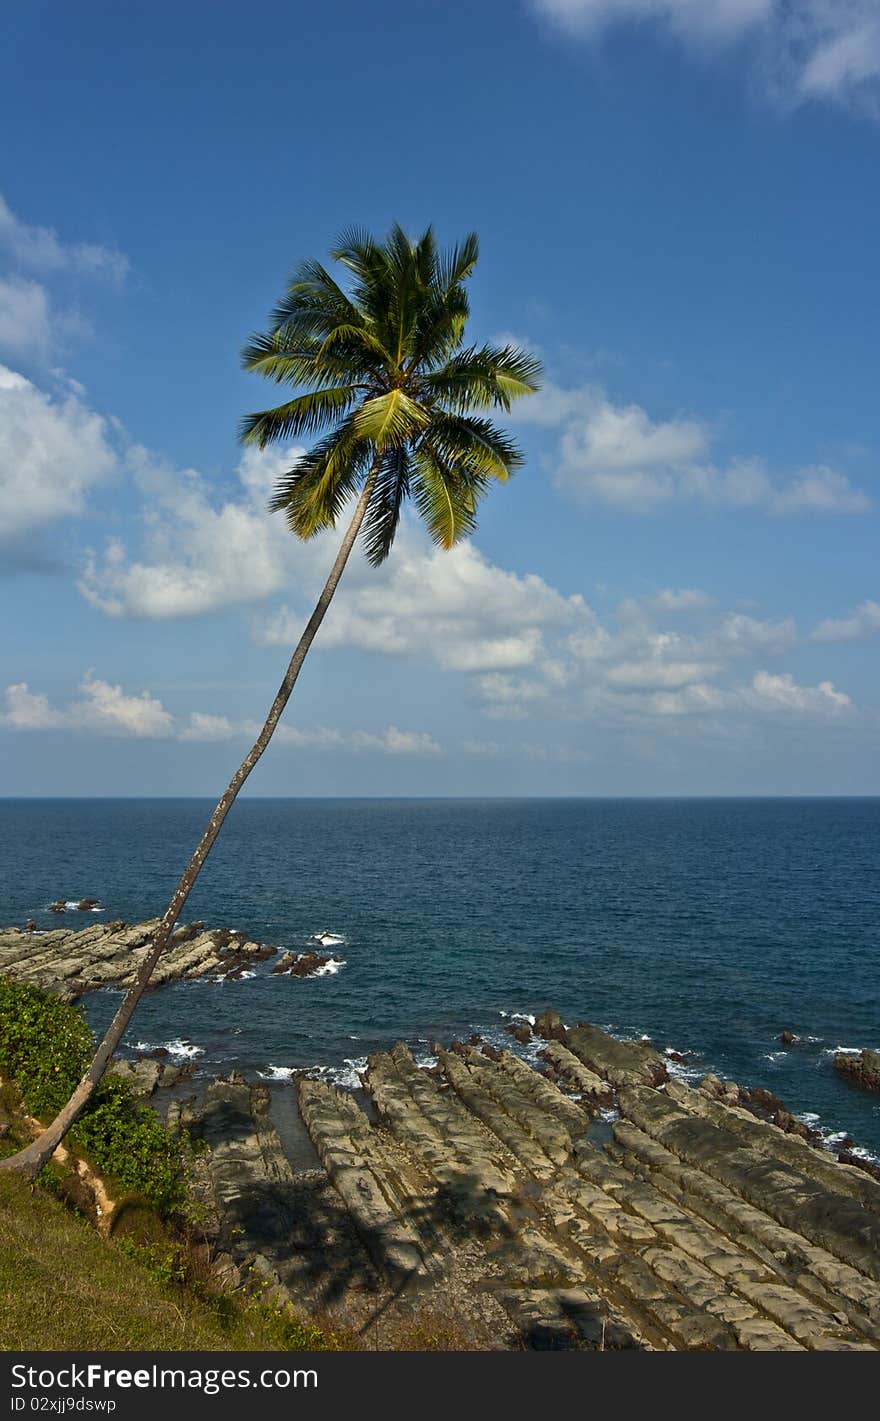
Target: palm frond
<point>355,249</point>
<point>295,356</point>
<point>425,256</point>
<point>311,289</point>
<point>355,338</point>
<point>383,514</point>
<point>390,419</point>
<point>476,447</point>
<point>446,499</point>
<point>304,415</point>
<point>484,376</point>
<point>438,328</point>
<point>314,491</point>
<point>458,263</point>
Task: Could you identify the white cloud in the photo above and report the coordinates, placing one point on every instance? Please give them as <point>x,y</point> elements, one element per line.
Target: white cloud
<point>522,644</point>
<point>203,726</point>
<point>618,455</point>
<point>689,19</point>
<point>780,693</point>
<point>509,697</point>
<point>776,695</point>
<point>820,490</point>
<point>861,623</point>
<point>740,634</point>
<point>52,452</point>
<point>801,50</point>
<point>103,709</point>
<point>681,599</point>
<point>622,440</point>
<point>108,708</point>
<point>25,327</point>
<point>455,608</point>
<point>29,710</point>
<point>40,249</point>
<point>391,741</point>
<point>642,675</point>
<point>197,557</point>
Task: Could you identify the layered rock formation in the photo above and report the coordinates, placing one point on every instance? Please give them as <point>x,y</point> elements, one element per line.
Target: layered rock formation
<point>70,963</point>
<point>486,1186</point>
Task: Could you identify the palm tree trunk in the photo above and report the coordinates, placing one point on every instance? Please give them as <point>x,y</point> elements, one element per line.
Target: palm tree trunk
<point>30,1160</point>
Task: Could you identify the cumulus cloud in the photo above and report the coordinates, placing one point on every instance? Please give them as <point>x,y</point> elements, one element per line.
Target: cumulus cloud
<point>619,456</point>
<point>198,556</point>
<point>771,694</point>
<point>780,693</point>
<point>859,625</point>
<point>108,710</point>
<point>740,635</point>
<point>41,250</point>
<point>522,645</point>
<point>53,450</point>
<point>30,710</point>
<point>201,725</point>
<point>641,675</point>
<point>800,50</point>
<point>391,741</point>
<point>103,709</point>
<point>456,608</point>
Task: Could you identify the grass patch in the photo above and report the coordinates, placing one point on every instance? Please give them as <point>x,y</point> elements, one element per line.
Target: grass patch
<point>65,1288</point>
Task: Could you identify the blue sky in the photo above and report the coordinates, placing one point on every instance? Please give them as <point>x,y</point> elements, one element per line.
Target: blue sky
<point>677,204</point>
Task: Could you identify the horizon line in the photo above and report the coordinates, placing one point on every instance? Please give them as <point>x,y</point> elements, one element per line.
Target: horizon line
<point>406,798</point>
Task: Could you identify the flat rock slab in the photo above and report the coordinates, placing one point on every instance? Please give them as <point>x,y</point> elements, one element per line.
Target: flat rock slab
<point>622,1063</point>
<point>474,1188</point>
<point>70,963</point>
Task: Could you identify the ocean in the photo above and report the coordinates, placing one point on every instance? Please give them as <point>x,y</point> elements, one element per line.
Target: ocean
<point>709,926</point>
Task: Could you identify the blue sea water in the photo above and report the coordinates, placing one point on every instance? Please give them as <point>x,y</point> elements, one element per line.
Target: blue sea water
<point>709,925</point>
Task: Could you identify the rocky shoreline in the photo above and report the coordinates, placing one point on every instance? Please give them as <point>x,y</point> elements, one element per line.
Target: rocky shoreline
<point>583,1200</point>
<point>592,1203</point>
<point>72,962</point>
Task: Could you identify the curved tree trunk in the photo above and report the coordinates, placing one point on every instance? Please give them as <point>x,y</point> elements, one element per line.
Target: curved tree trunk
<point>34,1156</point>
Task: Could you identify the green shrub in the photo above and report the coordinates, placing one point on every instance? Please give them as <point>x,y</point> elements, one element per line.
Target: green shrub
<point>45,1046</point>
<point>165,1262</point>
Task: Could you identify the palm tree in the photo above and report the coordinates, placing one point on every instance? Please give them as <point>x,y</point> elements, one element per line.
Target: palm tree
<point>385,381</point>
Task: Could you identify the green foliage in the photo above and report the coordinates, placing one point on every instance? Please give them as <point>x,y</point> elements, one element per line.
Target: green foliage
<point>164,1261</point>
<point>45,1047</point>
<point>387,383</point>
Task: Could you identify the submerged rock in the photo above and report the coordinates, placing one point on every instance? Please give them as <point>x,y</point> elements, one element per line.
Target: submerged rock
<point>550,1026</point>
<point>520,1032</point>
<point>303,964</point>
